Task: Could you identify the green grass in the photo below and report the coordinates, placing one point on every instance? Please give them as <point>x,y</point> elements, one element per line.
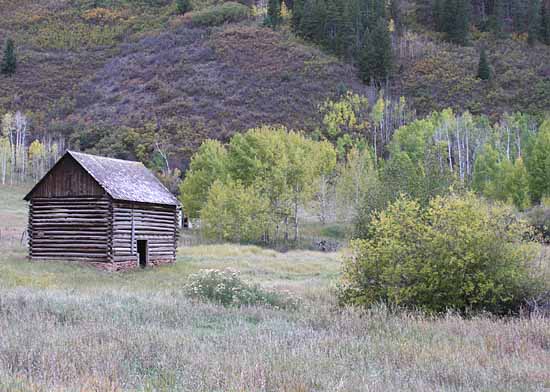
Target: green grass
<point>67,327</point>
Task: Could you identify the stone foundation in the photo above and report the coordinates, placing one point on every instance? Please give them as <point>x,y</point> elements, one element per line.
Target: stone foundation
<point>120,266</point>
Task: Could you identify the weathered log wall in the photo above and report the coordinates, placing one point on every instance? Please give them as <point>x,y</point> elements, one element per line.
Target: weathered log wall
<point>70,228</point>
<point>137,221</point>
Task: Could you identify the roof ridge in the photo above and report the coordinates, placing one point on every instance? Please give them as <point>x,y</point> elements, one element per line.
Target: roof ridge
<point>102,157</point>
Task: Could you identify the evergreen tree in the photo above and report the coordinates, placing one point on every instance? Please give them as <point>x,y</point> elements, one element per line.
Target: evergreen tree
<point>273,18</point>
<point>9,61</point>
<point>497,19</point>
<point>377,58</point>
<point>484,69</point>
<point>312,22</point>
<point>424,11</point>
<point>545,24</point>
<point>183,6</point>
<point>296,18</point>
<point>438,15</point>
<point>333,23</point>
<point>519,12</point>
<point>533,28</point>
<point>396,16</point>
<point>456,20</point>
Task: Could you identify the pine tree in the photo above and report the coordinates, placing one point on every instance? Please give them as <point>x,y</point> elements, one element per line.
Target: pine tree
<point>484,69</point>
<point>545,24</point>
<point>533,28</point>
<point>9,61</point>
<point>296,18</point>
<point>456,20</point>
<point>376,59</point>
<point>183,6</point>
<point>497,19</point>
<point>312,23</point>
<point>273,18</point>
<point>438,15</point>
<point>396,16</point>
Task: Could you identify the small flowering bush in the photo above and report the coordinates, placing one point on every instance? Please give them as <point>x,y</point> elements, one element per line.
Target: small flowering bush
<point>228,289</point>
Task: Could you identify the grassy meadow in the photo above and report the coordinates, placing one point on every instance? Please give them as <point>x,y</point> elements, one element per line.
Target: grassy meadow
<point>66,327</point>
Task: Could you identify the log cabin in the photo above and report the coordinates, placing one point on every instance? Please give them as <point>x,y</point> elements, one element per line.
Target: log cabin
<point>111,213</point>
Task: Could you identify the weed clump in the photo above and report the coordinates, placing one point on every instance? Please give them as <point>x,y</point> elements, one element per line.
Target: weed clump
<point>226,288</point>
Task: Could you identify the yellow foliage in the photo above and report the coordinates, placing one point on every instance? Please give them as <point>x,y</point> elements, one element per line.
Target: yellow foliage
<point>102,15</point>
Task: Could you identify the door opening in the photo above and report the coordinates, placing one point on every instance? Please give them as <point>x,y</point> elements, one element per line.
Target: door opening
<point>142,252</point>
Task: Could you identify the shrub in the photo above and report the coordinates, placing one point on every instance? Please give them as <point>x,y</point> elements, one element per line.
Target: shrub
<point>220,14</point>
<point>539,218</point>
<point>459,253</point>
<point>183,6</point>
<point>226,288</point>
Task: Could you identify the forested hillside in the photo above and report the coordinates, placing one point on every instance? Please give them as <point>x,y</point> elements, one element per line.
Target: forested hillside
<point>138,79</point>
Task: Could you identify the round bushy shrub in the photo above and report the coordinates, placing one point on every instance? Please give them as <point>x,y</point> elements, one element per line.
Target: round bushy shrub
<point>459,253</point>
<point>219,14</point>
<point>539,218</point>
<point>226,288</point>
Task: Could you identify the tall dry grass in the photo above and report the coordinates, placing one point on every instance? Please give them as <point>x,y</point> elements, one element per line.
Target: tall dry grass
<point>71,328</point>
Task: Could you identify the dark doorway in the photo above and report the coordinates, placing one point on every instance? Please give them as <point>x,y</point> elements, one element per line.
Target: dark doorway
<point>142,252</point>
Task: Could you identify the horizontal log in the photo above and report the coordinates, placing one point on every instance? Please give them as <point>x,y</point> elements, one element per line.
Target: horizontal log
<point>57,254</point>
<point>137,207</point>
<point>69,258</point>
<point>75,214</point>
<point>71,208</point>
<point>99,232</point>
<point>81,226</point>
<point>74,236</point>
<point>148,219</point>
<point>74,204</point>
<point>94,248</point>
<point>120,212</point>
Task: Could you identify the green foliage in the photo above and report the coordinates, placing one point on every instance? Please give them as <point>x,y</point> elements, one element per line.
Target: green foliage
<point>455,20</point>
<point>534,22</point>
<point>352,29</point>
<point>545,23</point>
<point>538,218</point>
<point>235,213</point>
<point>538,164</point>
<point>484,68</point>
<point>417,165</point>
<point>264,173</point>
<point>207,165</point>
<point>460,253</point>
<point>377,58</point>
<point>273,17</point>
<point>9,60</point>
<point>183,6</point>
<point>358,184</point>
<point>226,288</point>
<point>219,14</point>
<point>345,121</point>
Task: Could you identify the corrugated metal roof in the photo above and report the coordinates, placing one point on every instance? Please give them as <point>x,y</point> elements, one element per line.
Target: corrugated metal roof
<point>125,180</point>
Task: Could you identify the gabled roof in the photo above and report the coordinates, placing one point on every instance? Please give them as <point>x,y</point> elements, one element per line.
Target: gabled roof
<point>122,180</point>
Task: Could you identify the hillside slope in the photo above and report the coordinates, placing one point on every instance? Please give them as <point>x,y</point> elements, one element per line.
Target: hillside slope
<point>123,78</point>
<point>127,78</point>
<point>194,83</point>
